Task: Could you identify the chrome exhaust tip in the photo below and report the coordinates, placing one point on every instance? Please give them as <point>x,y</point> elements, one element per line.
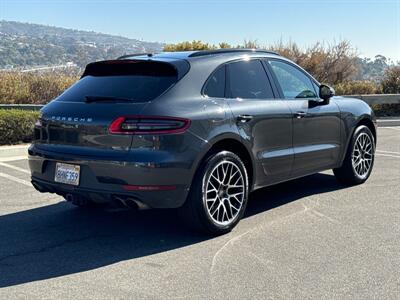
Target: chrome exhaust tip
<point>140,205</point>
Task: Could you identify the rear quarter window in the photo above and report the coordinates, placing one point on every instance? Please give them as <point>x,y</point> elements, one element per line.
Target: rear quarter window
<point>215,85</point>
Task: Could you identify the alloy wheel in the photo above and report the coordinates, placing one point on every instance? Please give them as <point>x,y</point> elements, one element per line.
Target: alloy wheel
<point>224,192</point>
<point>363,154</point>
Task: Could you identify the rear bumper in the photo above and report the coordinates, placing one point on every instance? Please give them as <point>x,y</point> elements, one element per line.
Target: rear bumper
<point>103,180</point>
<point>146,199</point>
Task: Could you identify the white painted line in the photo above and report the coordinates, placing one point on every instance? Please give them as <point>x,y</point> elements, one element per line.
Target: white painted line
<point>391,152</point>
<point>13,147</point>
<point>15,168</point>
<point>15,179</point>
<point>12,158</point>
<point>388,120</point>
<point>394,128</point>
<point>388,155</point>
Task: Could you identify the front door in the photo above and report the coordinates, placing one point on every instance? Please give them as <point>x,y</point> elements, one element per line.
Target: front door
<point>264,122</point>
<point>316,124</point>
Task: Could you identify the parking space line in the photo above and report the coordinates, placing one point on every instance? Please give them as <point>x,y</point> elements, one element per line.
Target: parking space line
<point>388,155</point>
<point>15,179</point>
<point>388,127</point>
<point>390,152</point>
<point>12,158</point>
<point>13,147</point>
<point>15,168</point>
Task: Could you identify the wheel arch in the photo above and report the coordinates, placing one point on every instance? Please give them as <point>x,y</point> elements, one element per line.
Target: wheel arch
<point>233,144</point>
<point>362,121</point>
<point>367,122</point>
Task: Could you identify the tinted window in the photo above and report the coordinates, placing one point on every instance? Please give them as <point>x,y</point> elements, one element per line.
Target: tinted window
<point>215,86</point>
<point>316,88</point>
<point>294,83</point>
<point>247,79</point>
<point>139,81</point>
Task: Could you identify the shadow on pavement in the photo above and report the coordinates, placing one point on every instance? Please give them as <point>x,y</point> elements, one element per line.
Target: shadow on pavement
<point>58,239</point>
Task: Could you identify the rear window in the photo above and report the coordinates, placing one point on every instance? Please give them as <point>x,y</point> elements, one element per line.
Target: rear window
<point>140,81</point>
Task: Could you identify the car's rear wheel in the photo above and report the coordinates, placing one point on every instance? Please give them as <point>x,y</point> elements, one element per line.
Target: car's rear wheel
<point>218,195</point>
<point>359,161</point>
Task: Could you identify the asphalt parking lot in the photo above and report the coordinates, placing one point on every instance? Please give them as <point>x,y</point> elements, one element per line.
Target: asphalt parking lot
<point>308,238</point>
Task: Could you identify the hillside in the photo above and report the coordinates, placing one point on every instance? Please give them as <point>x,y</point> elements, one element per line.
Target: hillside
<point>33,46</point>
<point>28,45</point>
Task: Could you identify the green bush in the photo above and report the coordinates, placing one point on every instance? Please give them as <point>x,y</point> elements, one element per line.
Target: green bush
<point>16,126</point>
<point>357,88</point>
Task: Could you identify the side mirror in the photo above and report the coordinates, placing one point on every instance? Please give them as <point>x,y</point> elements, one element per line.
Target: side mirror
<point>326,92</point>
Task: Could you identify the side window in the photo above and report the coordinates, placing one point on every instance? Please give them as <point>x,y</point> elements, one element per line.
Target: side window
<point>215,86</point>
<point>247,79</point>
<point>294,83</point>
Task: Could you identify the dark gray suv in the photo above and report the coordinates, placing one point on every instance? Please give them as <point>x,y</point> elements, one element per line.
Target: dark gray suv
<point>196,131</point>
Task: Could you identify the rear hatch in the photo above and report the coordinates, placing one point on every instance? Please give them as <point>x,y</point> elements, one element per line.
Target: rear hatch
<point>78,121</point>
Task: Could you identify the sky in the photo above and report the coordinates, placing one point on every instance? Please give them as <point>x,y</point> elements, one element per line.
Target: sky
<point>372,26</point>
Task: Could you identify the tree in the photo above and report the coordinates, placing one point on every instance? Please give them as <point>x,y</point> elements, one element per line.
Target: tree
<point>224,45</point>
<point>332,63</point>
<point>391,81</point>
<point>188,46</point>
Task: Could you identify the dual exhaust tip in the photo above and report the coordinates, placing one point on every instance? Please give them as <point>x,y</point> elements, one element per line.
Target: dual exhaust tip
<point>129,202</point>
<point>119,201</point>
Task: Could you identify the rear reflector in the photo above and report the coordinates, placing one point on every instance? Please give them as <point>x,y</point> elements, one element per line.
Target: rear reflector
<point>148,125</point>
<point>149,187</point>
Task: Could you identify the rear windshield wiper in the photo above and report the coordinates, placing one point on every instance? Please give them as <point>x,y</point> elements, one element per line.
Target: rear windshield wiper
<point>90,99</point>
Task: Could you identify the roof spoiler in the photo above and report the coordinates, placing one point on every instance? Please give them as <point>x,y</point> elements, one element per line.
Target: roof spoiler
<point>135,54</point>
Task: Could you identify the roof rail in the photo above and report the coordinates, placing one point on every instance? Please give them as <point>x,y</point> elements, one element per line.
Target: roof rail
<point>135,54</point>
<point>232,50</point>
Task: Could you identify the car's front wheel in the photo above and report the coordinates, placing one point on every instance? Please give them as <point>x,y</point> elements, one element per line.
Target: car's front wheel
<point>218,195</point>
<point>359,159</point>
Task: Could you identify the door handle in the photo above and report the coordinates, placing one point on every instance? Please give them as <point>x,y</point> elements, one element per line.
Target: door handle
<point>244,118</point>
<point>300,114</point>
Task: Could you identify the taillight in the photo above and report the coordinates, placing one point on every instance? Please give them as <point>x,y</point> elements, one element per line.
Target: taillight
<point>148,125</point>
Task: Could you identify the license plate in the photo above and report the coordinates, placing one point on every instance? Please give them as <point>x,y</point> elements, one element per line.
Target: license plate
<point>68,174</point>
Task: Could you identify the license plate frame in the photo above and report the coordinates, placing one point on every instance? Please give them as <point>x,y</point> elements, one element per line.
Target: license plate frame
<point>67,174</point>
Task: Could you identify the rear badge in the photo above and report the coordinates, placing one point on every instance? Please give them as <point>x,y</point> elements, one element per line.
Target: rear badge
<point>71,119</point>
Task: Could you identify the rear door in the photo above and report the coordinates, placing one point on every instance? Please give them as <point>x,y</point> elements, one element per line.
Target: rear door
<point>316,126</point>
<point>78,121</point>
<point>263,121</point>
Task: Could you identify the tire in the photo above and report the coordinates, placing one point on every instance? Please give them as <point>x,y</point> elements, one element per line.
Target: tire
<point>359,160</point>
<point>212,180</point>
